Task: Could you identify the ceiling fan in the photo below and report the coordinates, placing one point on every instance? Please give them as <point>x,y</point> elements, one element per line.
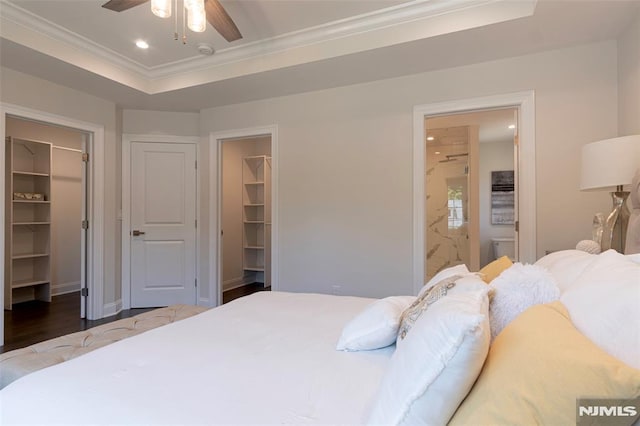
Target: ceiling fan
<point>215,14</point>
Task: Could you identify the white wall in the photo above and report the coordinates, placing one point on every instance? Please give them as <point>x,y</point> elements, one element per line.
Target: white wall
<point>160,123</point>
<point>41,95</point>
<point>629,80</point>
<point>344,159</point>
<point>494,156</point>
<point>233,152</point>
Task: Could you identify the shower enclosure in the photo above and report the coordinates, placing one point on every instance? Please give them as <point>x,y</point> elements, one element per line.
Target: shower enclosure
<point>451,198</point>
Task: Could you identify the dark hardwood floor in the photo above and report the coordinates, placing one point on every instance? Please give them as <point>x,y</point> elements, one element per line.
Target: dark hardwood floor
<point>245,290</point>
<point>32,322</point>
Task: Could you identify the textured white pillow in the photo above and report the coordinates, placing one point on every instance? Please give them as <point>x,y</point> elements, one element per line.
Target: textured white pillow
<point>435,365</point>
<point>605,305</point>
<point>566,266</point>
<point>376,327</point>
<point>445,273</point>
<point>515,290</point>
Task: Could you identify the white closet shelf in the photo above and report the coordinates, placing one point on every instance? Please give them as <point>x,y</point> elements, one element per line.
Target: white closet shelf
<point>28,283</point>
<point>254,183</point>
<point>254,205</point>
<point>15,172</point>
<point>254,268</point>
<point>254,221</point>
<point>32,201</point>
<point>29,255</point>
<point>30,223</point>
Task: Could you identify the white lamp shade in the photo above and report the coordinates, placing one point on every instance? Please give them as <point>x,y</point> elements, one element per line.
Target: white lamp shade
<point>609,163</point>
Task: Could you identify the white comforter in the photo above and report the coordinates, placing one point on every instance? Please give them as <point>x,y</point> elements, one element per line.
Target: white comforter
<point>269,358</point>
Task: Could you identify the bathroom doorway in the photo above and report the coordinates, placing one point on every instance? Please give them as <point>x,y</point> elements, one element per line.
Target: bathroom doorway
<point>470,188</point>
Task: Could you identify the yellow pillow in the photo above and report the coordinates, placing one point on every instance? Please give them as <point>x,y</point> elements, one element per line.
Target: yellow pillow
<point>495,268</point>
<point>537,368</point>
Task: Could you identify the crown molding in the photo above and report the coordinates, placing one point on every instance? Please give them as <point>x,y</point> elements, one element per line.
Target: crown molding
<point>405,22</point>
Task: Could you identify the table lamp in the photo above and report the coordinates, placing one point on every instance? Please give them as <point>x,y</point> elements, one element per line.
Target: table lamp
<point>609,165</point>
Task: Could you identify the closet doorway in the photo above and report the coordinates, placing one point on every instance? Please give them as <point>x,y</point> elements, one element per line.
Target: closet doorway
<point>45,212</point>
<point>245,214</point>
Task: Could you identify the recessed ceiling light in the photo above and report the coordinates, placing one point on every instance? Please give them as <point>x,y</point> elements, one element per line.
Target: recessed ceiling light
<point>512,126</point>
<point>142,44</point>
<point>430,138</point>
<point>437,152</point>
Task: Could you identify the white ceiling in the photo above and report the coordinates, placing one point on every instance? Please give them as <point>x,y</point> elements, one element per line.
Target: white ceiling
<point>289,46</point>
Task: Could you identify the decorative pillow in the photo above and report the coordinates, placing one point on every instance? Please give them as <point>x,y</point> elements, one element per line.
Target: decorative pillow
<point>566,265</point>
<point>445,273</point>
<point>604,305</point>
<point>515,290</point>
<point>376,327</point>
<point>536,370</point>
<point>495,268</point>
<point>434,367</point>
<point>413,312</point>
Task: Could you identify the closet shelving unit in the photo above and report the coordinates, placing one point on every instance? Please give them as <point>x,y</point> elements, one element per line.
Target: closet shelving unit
<point>256,199</point>
<point>28,221</point>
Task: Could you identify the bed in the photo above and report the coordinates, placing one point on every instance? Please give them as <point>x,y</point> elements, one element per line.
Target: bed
<point>271,358</point>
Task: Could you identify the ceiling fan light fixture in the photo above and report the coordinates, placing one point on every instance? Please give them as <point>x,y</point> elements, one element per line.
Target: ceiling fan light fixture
<point>196,16</point>
<point>161,8</point>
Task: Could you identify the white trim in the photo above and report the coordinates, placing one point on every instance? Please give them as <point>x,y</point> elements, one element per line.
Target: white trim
<point>526,170</point>
<point>215,192</point>
<point>127,139</point>
<point>406,22</point>
<point>111,309</point>
<point>95,236</point>
<point>64,288</point>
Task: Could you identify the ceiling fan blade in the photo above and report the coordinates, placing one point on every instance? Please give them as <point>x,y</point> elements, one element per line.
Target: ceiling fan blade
<point>221,21</point>
<point>120,5</point>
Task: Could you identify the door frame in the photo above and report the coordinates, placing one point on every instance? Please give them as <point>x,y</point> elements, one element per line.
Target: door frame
<point>127,140</point>
<point>95,200</point>
<point>215,204</point>
<point>526,166</point>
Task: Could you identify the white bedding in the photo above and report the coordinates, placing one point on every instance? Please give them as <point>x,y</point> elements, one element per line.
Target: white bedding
<point>268,358</point>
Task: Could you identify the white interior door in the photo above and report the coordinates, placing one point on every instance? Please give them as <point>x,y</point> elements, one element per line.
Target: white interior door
<point>163,224</point>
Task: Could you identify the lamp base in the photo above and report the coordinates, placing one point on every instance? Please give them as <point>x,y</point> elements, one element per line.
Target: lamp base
<point>614,234</point>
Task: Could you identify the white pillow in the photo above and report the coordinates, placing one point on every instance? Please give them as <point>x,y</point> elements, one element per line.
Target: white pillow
<point>435,365</point>
<point>445,273</point>
<point>605,305</point>
<point>635,257</point>
<point>376,327</point>
<point>566,266</point>
<point>516,289</point>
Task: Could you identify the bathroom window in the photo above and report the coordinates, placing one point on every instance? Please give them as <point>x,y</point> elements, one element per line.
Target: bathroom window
<point>455,207</point>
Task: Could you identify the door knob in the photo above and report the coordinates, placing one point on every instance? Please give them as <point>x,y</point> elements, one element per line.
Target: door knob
<point>137,233</point>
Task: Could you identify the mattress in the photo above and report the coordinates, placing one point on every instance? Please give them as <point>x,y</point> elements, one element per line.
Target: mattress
<point>268,358</point>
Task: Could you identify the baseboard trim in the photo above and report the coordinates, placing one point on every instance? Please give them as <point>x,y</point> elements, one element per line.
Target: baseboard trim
<point>237,282</point>
<point>110,309</point>
<point>64,288</point>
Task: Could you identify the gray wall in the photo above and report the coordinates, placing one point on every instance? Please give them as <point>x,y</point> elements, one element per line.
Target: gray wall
<point>629,80</point>
<point>494,156</point>
<point>345,161</point>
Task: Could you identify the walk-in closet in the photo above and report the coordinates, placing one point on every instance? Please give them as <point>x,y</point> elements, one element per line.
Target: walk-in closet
<point>246,213</point>
<point>44,202</point>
